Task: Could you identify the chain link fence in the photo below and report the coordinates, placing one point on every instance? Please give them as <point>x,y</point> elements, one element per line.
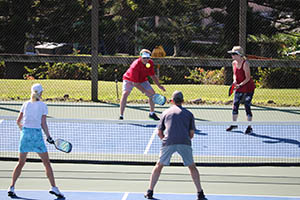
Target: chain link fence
<point>189,41</point>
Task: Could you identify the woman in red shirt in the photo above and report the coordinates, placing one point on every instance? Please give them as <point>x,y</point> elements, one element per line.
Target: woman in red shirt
<point>136,76</point>
<point>244,86</point>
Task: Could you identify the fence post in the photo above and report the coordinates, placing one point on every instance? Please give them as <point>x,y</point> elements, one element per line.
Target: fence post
<point>94,44</point>
<point>243,24</point>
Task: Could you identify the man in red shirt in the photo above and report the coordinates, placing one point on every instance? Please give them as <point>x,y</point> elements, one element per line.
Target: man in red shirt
<point>136,76</point>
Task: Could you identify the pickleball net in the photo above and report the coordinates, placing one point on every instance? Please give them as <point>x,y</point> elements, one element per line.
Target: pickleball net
<point>136,142</point>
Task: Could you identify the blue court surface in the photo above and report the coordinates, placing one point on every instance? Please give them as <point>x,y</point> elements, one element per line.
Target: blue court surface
<point>268,141</point>
<point>279,142</point>
<point>44,195</point>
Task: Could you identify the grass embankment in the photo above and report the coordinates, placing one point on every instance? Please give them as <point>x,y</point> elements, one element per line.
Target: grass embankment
<point>80,90</point>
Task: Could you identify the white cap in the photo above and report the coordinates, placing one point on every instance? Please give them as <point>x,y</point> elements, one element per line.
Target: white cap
<point>36,88</point>
<point>145,55</point>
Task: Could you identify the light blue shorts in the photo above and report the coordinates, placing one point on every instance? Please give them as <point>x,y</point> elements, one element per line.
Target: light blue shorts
<point>129,85</point>
<point>185,151</point>
<point>31,140</point>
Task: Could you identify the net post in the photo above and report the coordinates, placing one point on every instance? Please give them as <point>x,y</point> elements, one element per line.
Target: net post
<point>94,43</point>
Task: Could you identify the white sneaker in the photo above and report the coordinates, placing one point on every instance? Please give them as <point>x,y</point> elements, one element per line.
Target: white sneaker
<point>11,191</point>
<point>55,191</point>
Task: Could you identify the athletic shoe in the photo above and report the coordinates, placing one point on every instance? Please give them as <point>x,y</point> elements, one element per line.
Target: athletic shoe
<point>201,196</point>
<point>153,116</point>
<point>121,118</point>
<point>230,128</point>
<point>248,130</point>
<point>11,192</point>
<point>55,191</point>
<point>149,194</point>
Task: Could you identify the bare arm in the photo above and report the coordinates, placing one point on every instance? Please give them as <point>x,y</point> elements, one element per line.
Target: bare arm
<point>19,120</point>
<point>246,69</point>
<point>156,81</point>
<point>192,133</point>
<point>160,134</point>
<point>45,126</point>
<point>234,76</point>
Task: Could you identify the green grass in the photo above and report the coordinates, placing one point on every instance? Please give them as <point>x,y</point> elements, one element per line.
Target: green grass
<point>55,90</point>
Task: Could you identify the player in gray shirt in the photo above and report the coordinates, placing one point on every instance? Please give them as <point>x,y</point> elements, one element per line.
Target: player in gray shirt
<point>176,129</point>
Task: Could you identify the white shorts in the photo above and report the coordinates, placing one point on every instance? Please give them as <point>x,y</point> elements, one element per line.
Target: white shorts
<point>185,151</point>
<point>129,85</point>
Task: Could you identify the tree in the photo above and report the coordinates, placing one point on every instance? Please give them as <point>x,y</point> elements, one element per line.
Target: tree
<point>284,18</point>
<point>285,15</point>
<point>47,20</point>
<point>230,18</point>
<point>14,24</point>
<point>59,20</point>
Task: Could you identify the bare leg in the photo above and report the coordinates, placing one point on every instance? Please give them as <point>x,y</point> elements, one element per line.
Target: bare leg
<point>249,118</point>
<point>151,103</point>
<point>49,171</point>
<point>18,169</point>
<point>195,176</point>
<point>123,101</point>
<point>234,117</point>
<point>155,175</point>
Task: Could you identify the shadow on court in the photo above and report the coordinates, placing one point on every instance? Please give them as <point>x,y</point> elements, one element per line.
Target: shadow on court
<point>270,139</point>
<point>25,198</point>
<point>42,195</point>
<point>276,140</point>
<point>289,111</point>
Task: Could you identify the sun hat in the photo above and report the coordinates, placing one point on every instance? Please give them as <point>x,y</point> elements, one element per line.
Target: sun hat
<point>237,50</point>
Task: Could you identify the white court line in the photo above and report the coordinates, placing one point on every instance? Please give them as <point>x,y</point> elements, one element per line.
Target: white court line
<point>125,196</point>
<point>150,141</point>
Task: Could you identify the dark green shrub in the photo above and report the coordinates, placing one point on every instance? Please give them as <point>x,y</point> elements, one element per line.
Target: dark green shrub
<point>283,77</point>
<point>76,71</point>
<point>173,74</point>
<point>202,76</point>
<point>2,69</point>
<point>79,71</point>
<point>112,72</point>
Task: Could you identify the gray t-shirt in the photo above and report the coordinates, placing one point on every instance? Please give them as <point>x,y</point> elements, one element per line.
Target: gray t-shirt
<point>176,123</point>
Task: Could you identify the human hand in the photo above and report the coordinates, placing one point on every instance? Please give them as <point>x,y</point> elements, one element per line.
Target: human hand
<point>50,140</point>
<point>20,126</point>
<point>238,86</point>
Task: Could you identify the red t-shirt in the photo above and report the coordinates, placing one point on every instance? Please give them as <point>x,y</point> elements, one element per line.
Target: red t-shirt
<point>240,77</point>
<point>138,72</point>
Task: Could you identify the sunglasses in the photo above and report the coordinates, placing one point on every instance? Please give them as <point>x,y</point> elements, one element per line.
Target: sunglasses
<point>233,54</point>
<point>146,57</point>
